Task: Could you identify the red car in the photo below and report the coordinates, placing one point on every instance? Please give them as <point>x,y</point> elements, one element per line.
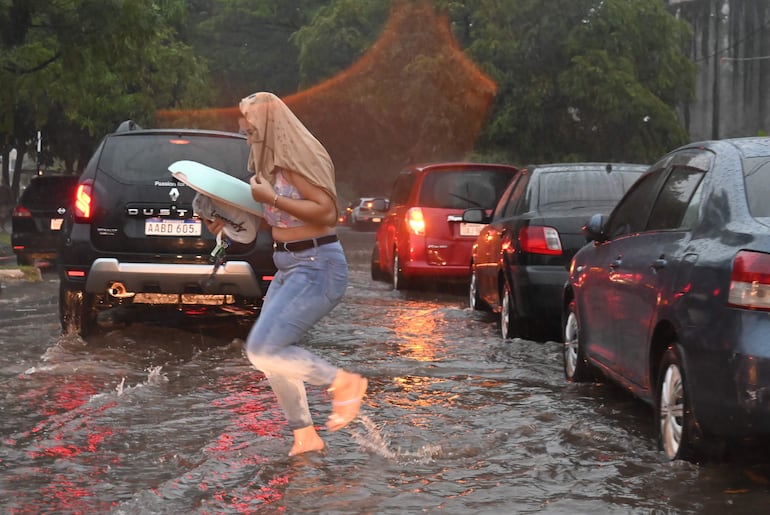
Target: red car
<point>423,235</point>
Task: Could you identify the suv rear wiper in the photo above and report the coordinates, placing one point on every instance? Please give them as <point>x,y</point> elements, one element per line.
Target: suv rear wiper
<point>469,201</point>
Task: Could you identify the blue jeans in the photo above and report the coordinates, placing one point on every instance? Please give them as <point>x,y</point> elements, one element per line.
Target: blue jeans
<point>306,287</point>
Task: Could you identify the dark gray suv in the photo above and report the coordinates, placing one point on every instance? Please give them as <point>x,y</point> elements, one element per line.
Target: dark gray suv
<point>132,236</point>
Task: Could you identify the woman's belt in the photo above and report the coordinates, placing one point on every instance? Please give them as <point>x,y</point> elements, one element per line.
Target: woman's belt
<point>296,246</point>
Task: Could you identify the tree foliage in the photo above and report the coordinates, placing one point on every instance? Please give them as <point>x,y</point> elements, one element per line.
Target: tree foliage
<point>567,79</point>
<point>579,79</point>
<point>76,68</point>
<point>247,44</point>
<point>413,96</point>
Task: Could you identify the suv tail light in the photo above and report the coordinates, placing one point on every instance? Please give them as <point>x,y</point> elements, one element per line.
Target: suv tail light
<point>540,240</point>
<point>750,281</point>
<point>415,221</point>
<point>83,201</point>
<point>21,211</point>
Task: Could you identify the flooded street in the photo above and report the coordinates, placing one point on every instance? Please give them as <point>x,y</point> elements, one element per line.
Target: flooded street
<point>167,416</point>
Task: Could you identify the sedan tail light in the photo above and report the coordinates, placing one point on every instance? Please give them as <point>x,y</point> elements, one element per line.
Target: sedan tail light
<point>415,221</point>
<point>750,281</point>
<point>21,211</point>
<point>83,201</point>
<point>540,240</point>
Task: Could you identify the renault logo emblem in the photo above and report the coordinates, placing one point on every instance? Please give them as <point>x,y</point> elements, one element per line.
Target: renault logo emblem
<point>174,194</point>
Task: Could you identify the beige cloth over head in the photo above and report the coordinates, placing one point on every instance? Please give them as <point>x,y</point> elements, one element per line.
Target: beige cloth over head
<point>283,141</point>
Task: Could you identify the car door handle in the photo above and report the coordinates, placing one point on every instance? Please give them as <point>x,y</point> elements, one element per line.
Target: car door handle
<point>659,263</point>
<point>615,264</point>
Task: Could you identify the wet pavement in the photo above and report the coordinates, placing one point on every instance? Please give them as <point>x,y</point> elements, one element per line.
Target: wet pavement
<point>165,415</point>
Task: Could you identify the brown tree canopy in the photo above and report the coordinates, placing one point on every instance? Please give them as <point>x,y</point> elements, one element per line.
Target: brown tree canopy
<point>413,97</point>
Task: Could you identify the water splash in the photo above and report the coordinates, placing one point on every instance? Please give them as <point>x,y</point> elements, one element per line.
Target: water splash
<point>120,388</point>
<point>155,377</point>
<point>375,440</point>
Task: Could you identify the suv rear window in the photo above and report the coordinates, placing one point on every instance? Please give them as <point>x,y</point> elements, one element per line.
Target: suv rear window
<point>463,189</point>
<point>130,158</point>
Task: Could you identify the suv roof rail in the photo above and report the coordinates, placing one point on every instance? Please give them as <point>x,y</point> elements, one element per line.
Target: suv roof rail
<point>128,125</point>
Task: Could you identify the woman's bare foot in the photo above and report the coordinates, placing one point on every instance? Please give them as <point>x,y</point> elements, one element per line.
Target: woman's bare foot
<point>348,390</point>
<point>306,440</point>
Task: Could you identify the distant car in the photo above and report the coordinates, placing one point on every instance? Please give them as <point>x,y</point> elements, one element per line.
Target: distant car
<point>423,236</point>
<point>37,219</point>
<point>671,300</point>
<point>519,261</point>
<point>368,212</point>
<point>344,215</point>
<point>133,237</point>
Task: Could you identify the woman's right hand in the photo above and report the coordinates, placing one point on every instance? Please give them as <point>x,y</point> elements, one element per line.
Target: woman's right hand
<point>261,190</point>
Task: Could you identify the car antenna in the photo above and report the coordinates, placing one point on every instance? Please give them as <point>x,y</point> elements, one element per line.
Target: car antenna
<point>608,167</point>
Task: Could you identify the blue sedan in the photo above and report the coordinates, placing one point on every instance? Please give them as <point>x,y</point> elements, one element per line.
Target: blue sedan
<point>671,300</point>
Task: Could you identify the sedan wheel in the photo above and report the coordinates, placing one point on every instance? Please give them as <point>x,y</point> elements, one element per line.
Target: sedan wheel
<point>676,427</point>
<point>508,322</point>
<point>576,367</point>
<point>473,291</point>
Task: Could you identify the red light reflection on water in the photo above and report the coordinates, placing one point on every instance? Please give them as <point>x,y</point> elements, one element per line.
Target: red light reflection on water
<point>68,432</point>
<point>74,437</point>
<point>256,413</point>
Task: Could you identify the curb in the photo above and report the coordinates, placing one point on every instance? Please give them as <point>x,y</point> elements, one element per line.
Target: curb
<point>11,273</point>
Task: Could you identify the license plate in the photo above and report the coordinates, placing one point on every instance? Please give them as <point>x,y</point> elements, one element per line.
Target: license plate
<point>376,219</point>
<point>161,227</point>
<point>56,224</point>
<point>468,229</point>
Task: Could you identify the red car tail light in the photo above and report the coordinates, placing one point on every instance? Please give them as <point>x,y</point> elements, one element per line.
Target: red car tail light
<point>21,211</point>
<point>540,240</point>
<point>415,221</point>
<point>750,281</point>
<point>83,201</point>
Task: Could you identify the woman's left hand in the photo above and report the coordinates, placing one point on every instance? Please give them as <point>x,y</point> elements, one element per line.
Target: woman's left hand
<point>261,190</point>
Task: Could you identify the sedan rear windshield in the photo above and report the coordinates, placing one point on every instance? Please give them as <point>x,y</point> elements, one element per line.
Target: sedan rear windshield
<point>584,188</point>
<point>135,158</point>
<point>757,176</point>
<point>463,189</point>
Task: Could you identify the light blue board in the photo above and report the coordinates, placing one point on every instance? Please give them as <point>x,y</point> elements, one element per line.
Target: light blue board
<point>216,184</point>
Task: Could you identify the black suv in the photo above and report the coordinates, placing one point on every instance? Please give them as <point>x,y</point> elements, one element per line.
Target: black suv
<point>113,251</point>
<point>38,216</point>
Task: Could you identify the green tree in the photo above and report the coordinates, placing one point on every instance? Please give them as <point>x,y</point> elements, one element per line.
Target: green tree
<point>76,68</point>
<point>579,79</point>
<point>248,44</point>
<point>337,36</point>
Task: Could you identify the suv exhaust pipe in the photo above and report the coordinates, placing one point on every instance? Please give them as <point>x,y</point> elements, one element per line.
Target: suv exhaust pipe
<point>118,290</point>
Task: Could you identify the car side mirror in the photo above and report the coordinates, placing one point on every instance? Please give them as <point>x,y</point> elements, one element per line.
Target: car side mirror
<point>475,215</point>
<point>594,228</point>
<point>380,205</point>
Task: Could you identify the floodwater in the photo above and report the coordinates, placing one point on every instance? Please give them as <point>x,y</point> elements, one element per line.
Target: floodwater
<point>165,415</point>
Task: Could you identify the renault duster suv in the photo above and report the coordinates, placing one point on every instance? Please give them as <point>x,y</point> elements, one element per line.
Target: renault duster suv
<point>132,236</point>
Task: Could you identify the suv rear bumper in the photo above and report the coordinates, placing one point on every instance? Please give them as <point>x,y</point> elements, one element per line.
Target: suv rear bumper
<point>232,278</point>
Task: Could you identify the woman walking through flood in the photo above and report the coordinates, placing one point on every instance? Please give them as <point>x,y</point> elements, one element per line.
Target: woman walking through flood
<point>294,180</point>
